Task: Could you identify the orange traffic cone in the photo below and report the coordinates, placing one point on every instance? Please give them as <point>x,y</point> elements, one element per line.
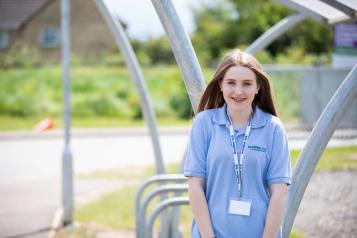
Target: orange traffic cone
<point>44,125</point>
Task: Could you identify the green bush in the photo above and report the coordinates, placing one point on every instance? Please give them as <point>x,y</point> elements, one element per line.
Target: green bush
<point>112,60</point>
<point>20,56</point>
<point>28,92</point>
<point>110,92</point>
<point>297,55</point>
<point>180,102</point>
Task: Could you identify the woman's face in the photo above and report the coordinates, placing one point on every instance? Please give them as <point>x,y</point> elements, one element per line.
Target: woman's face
<point>239,86</point>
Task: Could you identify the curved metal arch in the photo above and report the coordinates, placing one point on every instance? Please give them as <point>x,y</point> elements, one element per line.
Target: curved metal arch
<point>316,144</point>
<point>275,32</point>
<point>186,60</point>
<point>138,77</point>
<point>182,49</point>
<point>161,178</point>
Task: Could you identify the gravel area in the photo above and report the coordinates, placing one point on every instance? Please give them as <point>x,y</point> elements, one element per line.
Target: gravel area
<point>329,206</point>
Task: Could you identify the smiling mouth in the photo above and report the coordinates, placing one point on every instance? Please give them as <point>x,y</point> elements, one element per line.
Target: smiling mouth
<point>238,99</point>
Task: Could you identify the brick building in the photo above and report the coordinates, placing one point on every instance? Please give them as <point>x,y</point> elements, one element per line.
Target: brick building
<point>36,24</point>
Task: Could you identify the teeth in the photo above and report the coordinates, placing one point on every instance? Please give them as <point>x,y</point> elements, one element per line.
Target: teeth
<point>238,99</point>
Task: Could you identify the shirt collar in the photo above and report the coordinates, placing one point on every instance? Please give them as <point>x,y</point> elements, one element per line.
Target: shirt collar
<point>259,117</point>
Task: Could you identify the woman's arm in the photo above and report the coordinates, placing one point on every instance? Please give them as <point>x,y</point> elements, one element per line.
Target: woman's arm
<point>199,206</point>
<point>275,210</point>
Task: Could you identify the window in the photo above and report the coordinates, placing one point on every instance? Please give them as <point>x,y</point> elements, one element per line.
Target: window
<point>4,39</point>
<point>49,38</point>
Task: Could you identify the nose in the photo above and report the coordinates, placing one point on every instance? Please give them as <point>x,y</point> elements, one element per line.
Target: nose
<point>238,89</point>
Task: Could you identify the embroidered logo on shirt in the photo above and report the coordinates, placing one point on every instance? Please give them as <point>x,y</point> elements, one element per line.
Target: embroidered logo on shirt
<point>257,148</point>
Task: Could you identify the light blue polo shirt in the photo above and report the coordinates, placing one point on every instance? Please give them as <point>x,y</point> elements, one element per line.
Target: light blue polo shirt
<point>266,161</point>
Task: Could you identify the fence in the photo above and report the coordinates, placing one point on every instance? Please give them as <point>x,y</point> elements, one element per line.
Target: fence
<point>304,92</point>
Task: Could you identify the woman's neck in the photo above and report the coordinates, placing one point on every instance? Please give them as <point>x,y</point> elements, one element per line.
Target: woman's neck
<point>240,118</point>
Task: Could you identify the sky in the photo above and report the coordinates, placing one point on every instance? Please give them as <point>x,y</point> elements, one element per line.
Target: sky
<point>142,20</point>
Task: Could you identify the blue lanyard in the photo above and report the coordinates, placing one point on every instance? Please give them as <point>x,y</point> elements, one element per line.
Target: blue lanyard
<point>238,164</point>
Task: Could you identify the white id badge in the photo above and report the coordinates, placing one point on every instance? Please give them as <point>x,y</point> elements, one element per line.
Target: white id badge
<point>239,207</point>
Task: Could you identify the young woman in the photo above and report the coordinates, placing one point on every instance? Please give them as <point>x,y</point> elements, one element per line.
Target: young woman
<point>238,160</point>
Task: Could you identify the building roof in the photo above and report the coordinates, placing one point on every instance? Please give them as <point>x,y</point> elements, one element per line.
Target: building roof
<point>14,13</point>
<point>328,11</point>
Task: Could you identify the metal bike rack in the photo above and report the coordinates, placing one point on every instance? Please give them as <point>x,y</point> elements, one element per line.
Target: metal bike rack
<point>177,188</point>
<point>175,201</point>
<point>157,179</point>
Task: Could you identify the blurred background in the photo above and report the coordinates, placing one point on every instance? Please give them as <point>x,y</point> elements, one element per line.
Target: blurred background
<point>306,66</point>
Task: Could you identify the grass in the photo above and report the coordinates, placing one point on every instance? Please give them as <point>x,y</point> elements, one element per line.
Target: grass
<point>115,210</point>
<point>76,232</point>
<point>296,234</point>
<point>333,159</point>
<point>8,123</point>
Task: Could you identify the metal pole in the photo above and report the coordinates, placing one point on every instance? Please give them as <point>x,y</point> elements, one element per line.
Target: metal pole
<point>129,56</point>
<point>137,75</point>
<point>67,168</point>
<point>315,145</point>
<point>275,32</point>
<point>182,49</point>
<point>187,63</point>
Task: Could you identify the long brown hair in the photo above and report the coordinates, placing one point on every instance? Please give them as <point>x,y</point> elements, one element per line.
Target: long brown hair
<point>212,96</point>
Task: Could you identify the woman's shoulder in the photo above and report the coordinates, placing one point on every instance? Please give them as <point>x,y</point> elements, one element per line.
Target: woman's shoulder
<point>206,117</point>
<point>273,121</point>
<point>206,114</point>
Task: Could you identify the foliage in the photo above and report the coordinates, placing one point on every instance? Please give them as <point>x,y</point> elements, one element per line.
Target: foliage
<point>220,25</point>
<point>110,59</point>
<point>20,56</point>
<point>212,35</point>
<point>226,24</point>
<point>24,94</point>
<point>153,51</point>
<point>159,51</point>
<point>180,103</point>
<point>297,55</point>
<point>106,92</point>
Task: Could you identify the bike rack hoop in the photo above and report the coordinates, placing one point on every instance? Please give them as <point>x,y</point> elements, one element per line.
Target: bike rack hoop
<point>175,201</point>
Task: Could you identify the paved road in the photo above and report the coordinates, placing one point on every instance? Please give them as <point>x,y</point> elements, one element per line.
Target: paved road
<point>24,157</point>
<point>30,166</point>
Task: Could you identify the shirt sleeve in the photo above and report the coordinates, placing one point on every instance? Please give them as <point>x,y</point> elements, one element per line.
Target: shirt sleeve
<point>279,168</point>
<point>195,162</point>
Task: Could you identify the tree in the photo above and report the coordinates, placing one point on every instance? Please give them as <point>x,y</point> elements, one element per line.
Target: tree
<point>213,24</point>
<point>226,24</point>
